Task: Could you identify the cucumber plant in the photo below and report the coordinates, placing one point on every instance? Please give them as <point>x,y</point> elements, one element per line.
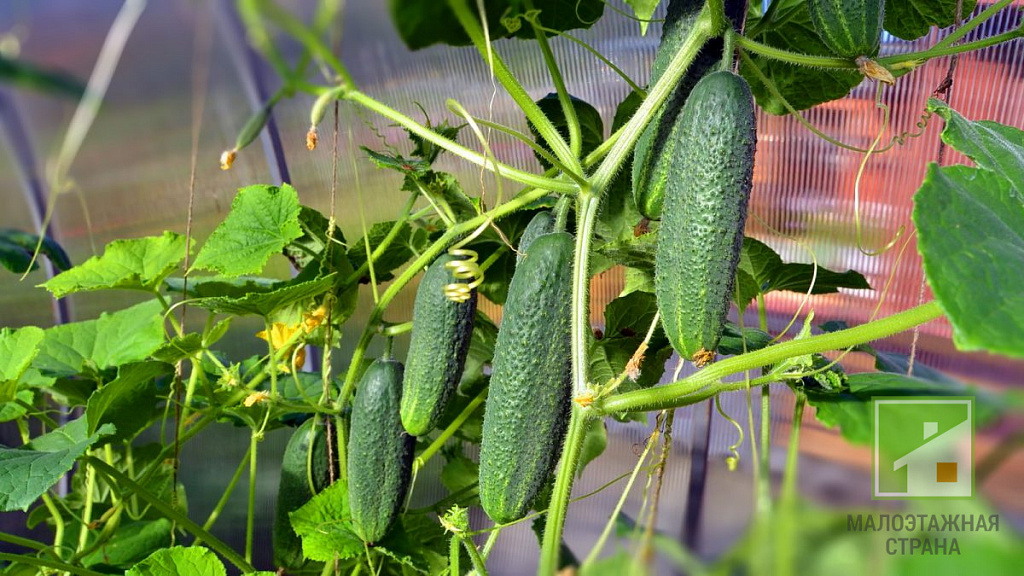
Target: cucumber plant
<point>534,389</point>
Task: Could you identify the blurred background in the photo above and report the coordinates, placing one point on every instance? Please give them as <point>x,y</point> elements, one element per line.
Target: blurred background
<point>131,178</point>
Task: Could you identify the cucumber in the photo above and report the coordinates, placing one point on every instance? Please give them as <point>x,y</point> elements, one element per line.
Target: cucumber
<point>651,157</point>
<point>542,223</point>
<point>849,28</point>
<point>379,451</point>
<point>306,450</point>
<point>527,408</point>
<point>705,210</point>
<point>441,332</point>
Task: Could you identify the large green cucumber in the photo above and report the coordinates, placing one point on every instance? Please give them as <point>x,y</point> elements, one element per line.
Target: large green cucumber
<point>528,402</point>
<point>304,461</point>
<point>653,153</point>
<point>542,223</point>
<point>850,28</point>
<point>705,210</point>
<point>379,451</point>
<point>441,331</point>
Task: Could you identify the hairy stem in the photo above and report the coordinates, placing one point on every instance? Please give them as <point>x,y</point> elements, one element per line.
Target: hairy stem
<point>579,423</point>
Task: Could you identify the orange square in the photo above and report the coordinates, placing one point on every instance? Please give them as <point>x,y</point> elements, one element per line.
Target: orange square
<point>945,472</point>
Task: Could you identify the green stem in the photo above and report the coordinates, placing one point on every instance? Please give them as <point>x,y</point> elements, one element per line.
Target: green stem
<point>764,488</point>
<point>972,23</point>
<point>914,59</point>
<point>128,485</point>
<point>58,522</point>
<point>449,431</point>
<point>542,123</point>
<point>453,556</point>
<point>568,110</point>
<point>581,331</point>
<point>90,489</point>
<point>789,56</point>
<point>250,516</point>
<point>296,29</point>
<point>668,395</point>
<point>474,555</point>
<point>43,563</point>
<point>625,77</point>
<point>379,249</point>
<point>228,491</point>
<point>537,148</point>
<point>785,536</point>
<point>579,423</point>
<point>429,135</point>
<point>24,542</point>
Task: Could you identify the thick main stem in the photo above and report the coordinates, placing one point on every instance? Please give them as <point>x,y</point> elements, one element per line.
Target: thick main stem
<point>579,423</point>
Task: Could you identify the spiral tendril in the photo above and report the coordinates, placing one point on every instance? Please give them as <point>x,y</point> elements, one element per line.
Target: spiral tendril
<point>466,267</point>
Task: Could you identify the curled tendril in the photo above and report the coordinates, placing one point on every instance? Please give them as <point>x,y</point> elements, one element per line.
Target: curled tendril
<point>733,460</point>
<point>858,225</point>
<point>466,267</point>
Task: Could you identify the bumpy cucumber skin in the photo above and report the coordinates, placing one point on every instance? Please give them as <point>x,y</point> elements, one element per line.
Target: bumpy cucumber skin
<point>542,223</point>
<point>380,451</point>
<point>705,211</point>
<point>528,403</point>
<point>850,28</point>
<point>294,491</point>
<point>441,332</point>
<point>654,149</point>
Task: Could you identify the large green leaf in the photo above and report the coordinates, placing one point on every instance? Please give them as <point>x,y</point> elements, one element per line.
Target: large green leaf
<point>128,401</point>
<point>262,221</point>
<point>26,473</point>
<point>180,560</point>
<point>589,119</point>
<point>416,542</point>
<point>130,543</point>
<point>325,526</point>
<point>17,349</point>
<point>421,23</point>
<point>970,225</point>
<point>140,264</point>
<point>911,19</point>
<point>128,335</point>
<point>991,145</point>
<point>407,242</point>
<point>791,29</point>
<point>266,303</point>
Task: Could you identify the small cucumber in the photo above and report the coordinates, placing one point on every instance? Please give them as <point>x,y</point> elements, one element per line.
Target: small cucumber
<point>705,211</point>
<point>305,459</point>
<point>850,28</point>
<point>441,331</point>
<point>528,402</point>
<point>380,451</point>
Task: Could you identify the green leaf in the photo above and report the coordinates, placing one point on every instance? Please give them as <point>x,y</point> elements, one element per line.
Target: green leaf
<point>732,341</point>
<point>633,252</point>
<point>210,286</point>
<point>761,271</point>
<point>179,348</point>
<point>803,87</point>
<point>990,145</point>
<point>27,75</point>
<point>128,401</point>
<point>178,560</point>
<point>397,253</point>
<point>128,335</point>
<point>627,320</point>
<point>911,19</point>
<point>461,474</point>
<point>444,189</point>
<point>17,349</point>
<point>17,247</point>
<point>266,303</point>
<point>325,526</point>
<point>314,242</point>
<point>643,10</point>
<point>417,542</point>
<point>13,410</point>
<point>422,23</point>
<point>130,543</point>
<point>594,444</point>
<point>591,126</point>
<point>480,354</point>
<point>262,221</point>
<point>138,264</point>
<point>970,225</point>
<point>26,473</point>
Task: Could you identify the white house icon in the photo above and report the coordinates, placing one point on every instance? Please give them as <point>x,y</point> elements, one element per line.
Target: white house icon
<point>937,468</point>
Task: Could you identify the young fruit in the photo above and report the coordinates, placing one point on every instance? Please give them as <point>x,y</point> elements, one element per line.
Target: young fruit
<point>850,28</point>
<point>379,451</point>
<point>542,223</point>
<point>304,460</point>
<point>441,331</point>
<point>528,403</point>
<point>653,154</point>
<point>705,210</point>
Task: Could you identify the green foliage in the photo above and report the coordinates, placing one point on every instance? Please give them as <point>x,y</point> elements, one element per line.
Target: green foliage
<point>140,264</point>
<point>262,221</point>
<point>29,471</point>
<point>591,126</point>
<point>970,224</point>
<point>132,542</point>
<point>422,23</point>
<point>17,247</point>
<point>325,526</point>
<point>910,19</point>
<point>17,349</point>
<point>127,402</point>
<point>850,28</point>
<point>178,560</point>
<point>643,10</point>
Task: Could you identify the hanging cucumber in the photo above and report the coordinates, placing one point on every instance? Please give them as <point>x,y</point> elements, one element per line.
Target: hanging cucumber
<point>542,223</point>
<point>380,451</point>
<point>705,210</point>
<point>304,460</point>
<point>441,332</point>
<point>528,402</point>
<point>850,28</point>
